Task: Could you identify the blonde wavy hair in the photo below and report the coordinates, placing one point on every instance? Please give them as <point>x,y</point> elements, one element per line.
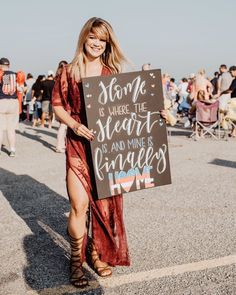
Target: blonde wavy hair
<point>113,58</point>
<point>201,95</point>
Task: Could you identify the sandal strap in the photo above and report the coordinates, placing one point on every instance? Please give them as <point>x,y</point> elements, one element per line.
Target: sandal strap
<point>100,270</point>
<point>77,271</point>
<point>77,277</point>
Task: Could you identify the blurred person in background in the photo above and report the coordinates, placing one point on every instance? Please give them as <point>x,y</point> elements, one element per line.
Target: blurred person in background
<point>61,134</point>
<point>224,80</point>
<point>9,105</point>
<point>28,97</point>
<point>36,100</point>
<point>201,83</point>
<point>214,82</point>
<point>46,90</point>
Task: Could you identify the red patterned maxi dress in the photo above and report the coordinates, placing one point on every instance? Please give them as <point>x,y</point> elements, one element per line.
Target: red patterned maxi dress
<point>108,229</point>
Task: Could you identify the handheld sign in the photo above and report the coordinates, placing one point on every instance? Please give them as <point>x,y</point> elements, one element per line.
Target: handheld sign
<point>130,150</point>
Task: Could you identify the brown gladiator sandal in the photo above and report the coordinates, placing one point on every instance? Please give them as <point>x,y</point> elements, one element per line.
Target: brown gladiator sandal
<point>102,271</point>
<point>77,277</point>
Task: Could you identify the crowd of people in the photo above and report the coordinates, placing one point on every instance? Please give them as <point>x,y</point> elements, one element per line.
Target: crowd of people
<point>28,100</point>
<point>181,99</point>
<point>35,99</point>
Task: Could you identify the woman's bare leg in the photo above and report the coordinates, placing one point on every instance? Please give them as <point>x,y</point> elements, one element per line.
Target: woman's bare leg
<point>50,116</point>
<point>79,205</point>
<point>77,219</point>
<point>76,228</point>
<point>43,118</point>
<point>102,268</point>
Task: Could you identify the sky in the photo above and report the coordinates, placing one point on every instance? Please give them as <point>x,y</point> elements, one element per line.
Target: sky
<point>178,37</point>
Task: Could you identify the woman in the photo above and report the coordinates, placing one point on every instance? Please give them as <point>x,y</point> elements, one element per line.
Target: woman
<point>97,53</point>
<point>201,83</point>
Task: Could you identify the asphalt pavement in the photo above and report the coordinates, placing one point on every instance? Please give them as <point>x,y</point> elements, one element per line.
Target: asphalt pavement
<point>181,236</point>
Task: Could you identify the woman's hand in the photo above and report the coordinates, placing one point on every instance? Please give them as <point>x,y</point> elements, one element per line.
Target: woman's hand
<point>81,130</point>
<point>163,113</point>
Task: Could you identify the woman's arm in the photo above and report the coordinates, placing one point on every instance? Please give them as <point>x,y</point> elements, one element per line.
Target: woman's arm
<point>33,98</point>
<point>209,87</point>
<point>78,128</point>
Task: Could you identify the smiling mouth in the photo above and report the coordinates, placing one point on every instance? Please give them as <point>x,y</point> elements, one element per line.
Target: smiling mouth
<point>95,48</point>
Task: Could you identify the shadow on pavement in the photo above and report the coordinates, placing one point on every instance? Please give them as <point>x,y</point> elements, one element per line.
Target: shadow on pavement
<point>47,249</point>
<point>4,150</point>
<point>225,163</point>
<point>44,131</point>
<point>179,130</point>
<point>37,138</point>
<point>29,125</point>
<point>186,133</point>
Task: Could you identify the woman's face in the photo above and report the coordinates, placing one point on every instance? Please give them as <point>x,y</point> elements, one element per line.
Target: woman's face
<point>94,47</point>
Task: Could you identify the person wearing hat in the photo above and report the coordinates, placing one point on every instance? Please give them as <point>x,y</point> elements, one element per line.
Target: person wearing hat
<point>9,105</point>
<point>46,90</point>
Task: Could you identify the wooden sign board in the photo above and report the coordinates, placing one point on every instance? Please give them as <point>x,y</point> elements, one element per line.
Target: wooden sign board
<point>130,150</point>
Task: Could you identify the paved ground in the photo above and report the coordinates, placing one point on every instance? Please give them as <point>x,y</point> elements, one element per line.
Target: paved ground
<point>181,236</point>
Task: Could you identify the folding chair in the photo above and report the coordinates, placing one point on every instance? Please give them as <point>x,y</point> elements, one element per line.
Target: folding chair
<point>207,119</point>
